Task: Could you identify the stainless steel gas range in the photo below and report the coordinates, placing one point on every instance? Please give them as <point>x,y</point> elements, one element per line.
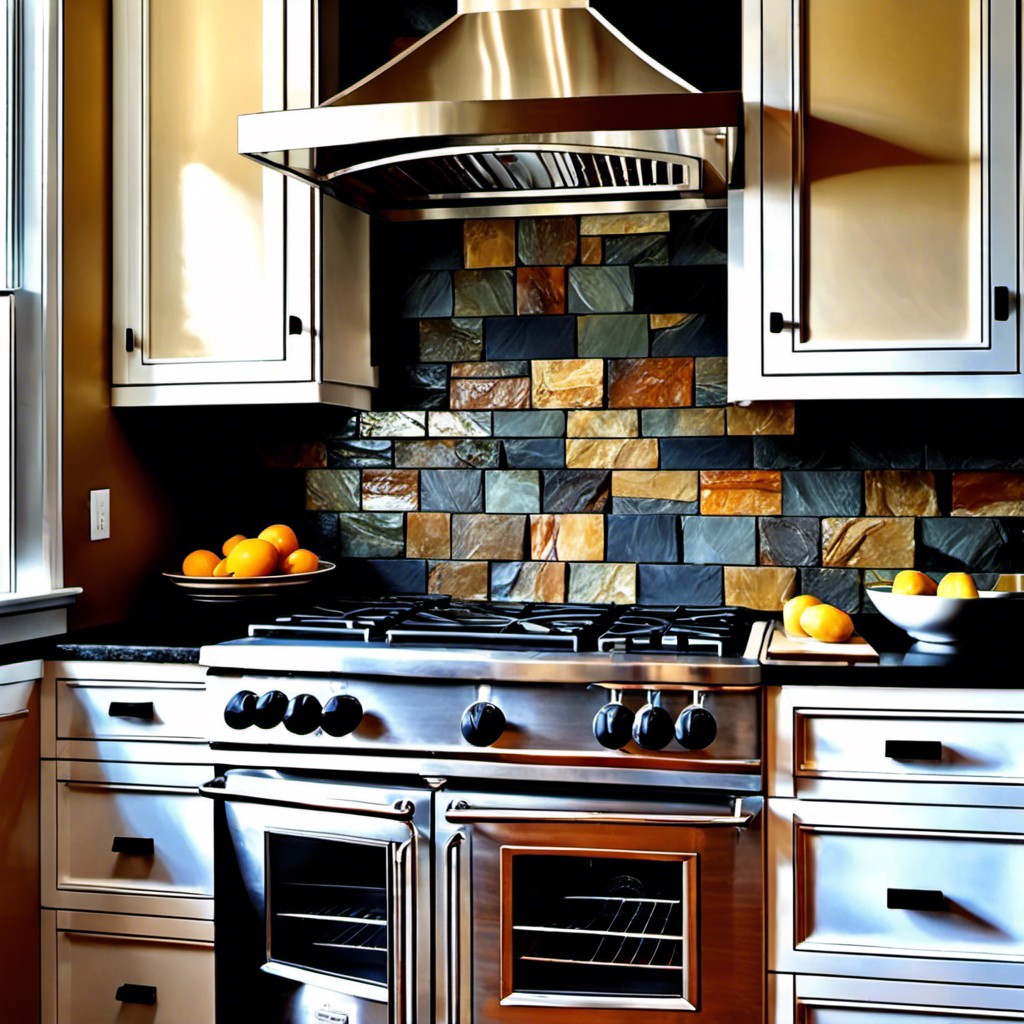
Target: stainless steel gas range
<point>483,813</point>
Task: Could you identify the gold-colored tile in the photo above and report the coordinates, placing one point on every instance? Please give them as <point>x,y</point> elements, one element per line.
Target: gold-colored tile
<point>567,383</point>
<point>603,583</point>
<point>659,321</point>
<point>591,250</point>
<point>650,383</point>
<point>763,418</point>
<point>428,535</point>
<point>480,536</point>
<point>765,588</point>
<point>612,453</point>
<point>741,492</point>
<point>988,494</point>
<point>667,484</point>
<point>898,492</point>
<point>866,543</point>
<point>624,223</point>
<point>489,243</point>
<point>538,581</point>
<point>482,393</point>
<point>604,423</point>
<point>568,537</point>
<point>466,581</point>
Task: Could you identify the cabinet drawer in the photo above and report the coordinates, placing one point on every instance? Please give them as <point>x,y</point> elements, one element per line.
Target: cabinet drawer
<point>98,709</point>
<point>862,1013</point>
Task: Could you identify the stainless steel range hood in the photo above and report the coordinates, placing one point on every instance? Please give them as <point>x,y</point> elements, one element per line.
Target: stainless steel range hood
<point>537,105</point>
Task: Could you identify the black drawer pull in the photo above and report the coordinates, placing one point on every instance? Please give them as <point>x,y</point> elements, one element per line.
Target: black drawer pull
<point>142,710</point>
<point>294,325</point>
<point>913,750</point>
<point>776,323</point>
<point>915,899</point>
<point>1001,302</point>
<point>129,340</point>
<point>132,846</point>
<point>144,995</point>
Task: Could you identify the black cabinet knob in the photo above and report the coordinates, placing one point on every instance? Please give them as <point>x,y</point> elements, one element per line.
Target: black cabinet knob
<point>696,728</point>
<point>270,709</point>
<point>653,727</point>
<point>342,715</point>
<point>303,714</point>
<point>240,711</point>
<point>613,726</point>
<point>483,723</point>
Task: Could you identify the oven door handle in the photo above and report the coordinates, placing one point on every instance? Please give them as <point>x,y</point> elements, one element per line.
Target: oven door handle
<point>452,857</point>
<point>404,913</point>
<point>400,810</point>
<point>461,813</point>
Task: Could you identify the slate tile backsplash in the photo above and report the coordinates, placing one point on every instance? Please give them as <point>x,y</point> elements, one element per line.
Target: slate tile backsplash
<point>552,425</point>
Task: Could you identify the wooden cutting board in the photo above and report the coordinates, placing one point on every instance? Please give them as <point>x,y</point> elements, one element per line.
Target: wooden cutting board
<point>784,648</point>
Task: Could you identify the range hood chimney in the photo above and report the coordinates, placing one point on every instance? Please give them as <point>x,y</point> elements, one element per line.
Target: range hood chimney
<point>510,106</point>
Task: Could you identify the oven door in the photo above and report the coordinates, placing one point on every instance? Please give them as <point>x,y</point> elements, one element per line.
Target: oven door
<point>322,900</point>
<point>567,908</point>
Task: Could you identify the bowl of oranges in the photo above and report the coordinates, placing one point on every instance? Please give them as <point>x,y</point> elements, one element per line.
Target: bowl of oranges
<point>259,566</point>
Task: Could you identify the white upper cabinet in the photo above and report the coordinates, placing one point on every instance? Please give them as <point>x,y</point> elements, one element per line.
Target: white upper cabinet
<point>218,286</point>
<point>875,248</point>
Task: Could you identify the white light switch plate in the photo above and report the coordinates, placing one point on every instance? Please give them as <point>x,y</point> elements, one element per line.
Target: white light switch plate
<point>99,514</point>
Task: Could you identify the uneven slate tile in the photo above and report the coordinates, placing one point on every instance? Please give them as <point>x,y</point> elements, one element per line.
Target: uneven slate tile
<point>516,337</point>
<point>705,452</point>
<point>528,581</point>
<point>512,490</point>
<point>711,380</point>
<point>393,424</point>
<point>451,490</point>
<point>567,538</point>
<point>989,452</point>
<point>447,453</point>
<point>540,290</point>
<point>489,243</point>
<point>451,340</point>
<point>535,423</point>
<point>867,543</point>
<point>492,368</point>
<point>505,393</point>
<point>464,581</point>
<point>762,588</point>
<point>567,383</point>
<point>547,241</point>
<point>600,290</point>
<point>342,452</point>
<point>428,535</point>
<point>428,294</point>
<point>670,485</point>
<point>535,453</point>
<point>375,577</point>
<point>602,583</point>
<point>679,584</point>
<point>781,452</point>
<point>576,490</point>
<point>966,544</point>
<point>838,587</point>
<point>894,492</point>
<point>642,538</point>
<point>699,334</point>
<point>762,418</point>
<point>698,236</point>
<point>390,490</point>
<point>415,386</point>
<point>790,541</point>
<point>624,223</point>
<point>332,490</point>
<point>822,493</point>
<point>887,455</point>
<point>488,536</point>
<point>320,534</point>
<point>371,534</point>
<point>613,334</point>
<point>459,424</point>
<point>988,494</point>
<point>611,453</point>
<point>754,492</point>
<point>683,422</point>
<point>294,455</point>
<point>636,250</point>
<point>591,250</point>
<point>603,423</point>
<point>653,506</point>
<point>484,293</point>
<point>728,540</point>
<point>646,383</point>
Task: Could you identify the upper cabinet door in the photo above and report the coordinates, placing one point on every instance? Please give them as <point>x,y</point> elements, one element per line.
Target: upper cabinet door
<point>208,285</point>
<point>876,246</point>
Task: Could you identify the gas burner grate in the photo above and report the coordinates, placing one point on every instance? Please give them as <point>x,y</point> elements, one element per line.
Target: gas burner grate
<point>344,619</point>
<point>681,629</point>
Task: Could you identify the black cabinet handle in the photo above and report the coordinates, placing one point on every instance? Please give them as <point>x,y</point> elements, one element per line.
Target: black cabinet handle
<point>294,325</point>
<point>127,709</point>
<point>132,846</point>
<point>129,340</point>
<point>1001,302</point>
<point>913,750</point>
<point>144,995</point>
<point>915,899</point>
<point>776,323</point>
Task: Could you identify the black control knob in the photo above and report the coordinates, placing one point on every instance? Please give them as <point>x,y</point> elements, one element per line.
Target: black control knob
<point>483,723</point>
<point>240,711</point>
<point>653,727</point>
<point>303,714</point>
<point>270,709</point>
<point>613,726</point>
<point>342,715</point>
<point>696,728</point>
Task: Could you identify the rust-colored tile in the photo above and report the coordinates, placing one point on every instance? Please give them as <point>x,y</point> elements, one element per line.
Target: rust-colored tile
<point>479,536</point>
<point>667,484</point>
<point>764,588</point>
<point>481,393</point>
<point>428,535</point>
<point>603,583</point>
<point>741,492</point>
<point>660,321</point>
<point>529,581</point>
<point>624,223</point>
<point>604,423</point>
<point>591,250</point>
<point>540,290</point>
<point>390,490</point>
<point>466,581</point>
<point>617,453</point>
<point>569,537</point>
<point>868,543</point>
<point>896,492</point>
<point>762,418</point>
<point>567,383</point>
<point>988,494</point>
<point>489,243</point>
<point>650,383</point>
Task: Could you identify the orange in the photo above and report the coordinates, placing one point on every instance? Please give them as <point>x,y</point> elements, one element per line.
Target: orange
<point>230,543</point>
<point>222,568</point>
<point>957,584</point>
<point>252,557</point>
<point>826,622</point>
<point>300,560</point>
<point>282,537</point>
<point>199,563</point>
<point>793,609</point>
<point>910,581</point>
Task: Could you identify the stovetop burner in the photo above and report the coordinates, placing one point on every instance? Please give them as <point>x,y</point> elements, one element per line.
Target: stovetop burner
<point>347,619</point>
<point>683,629</point>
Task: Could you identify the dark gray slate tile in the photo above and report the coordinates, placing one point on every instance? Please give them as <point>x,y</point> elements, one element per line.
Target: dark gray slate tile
<point>698,237</point>
<point>787,540</point>
<point>711,376</point>
<point>371,534</point>
<point>512,490</point>
<point>701,334</point>
<point>484,293</point>
<point>720,540</point>
<point>653,506</point>
<point>886,455</point>
<point>839,587</point>
<point>600,290</point>
<point>976,453</point>
<point>967,544</point>
<point>609,335</point>
<point>535,453</point>
<point>333,490</point>
<point>451,490</point>
<point>642,538</point>
<point>680,584</point>
<point>428,295</point>
<point>636,250</point>
<point>576,490</point>
<point>372,454</point>
<point>372,577</point>
<point>548,241</point>
<point>531,337</point>
<point>535,423</point>
<point>346,426</point>
<point>451,341</point>
<point>689,289</point>
<point>320,534</point>
<point>780,452</point>
<point>822,493</point>
<point>705,453</point>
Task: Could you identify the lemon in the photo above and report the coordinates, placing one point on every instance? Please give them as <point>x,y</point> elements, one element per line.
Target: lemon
<point>910,581</point>
<point>793,609</point>
<point>826,622</point>
<point>957,584</point>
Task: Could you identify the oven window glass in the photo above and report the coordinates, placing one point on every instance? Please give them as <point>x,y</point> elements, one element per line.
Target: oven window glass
<point>327,906</point>
<point>597,924</point>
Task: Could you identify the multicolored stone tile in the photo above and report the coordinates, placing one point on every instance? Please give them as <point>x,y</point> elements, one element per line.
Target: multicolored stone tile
<point>971,544</point>
<point>611,453</point>
<point>390,490</point>
<point>450,340</point>
<point>839,587</point>
<point>459,424</point>
<point>761,417</point>
<point>492,368</point>
<point>540,290</point>
<point>448,453</point>
<point>591,250</point>
<point>867,543</point>
<point>531,337</point>
<point>683,422</point>
<point>711,376</point>
<point>332,490</point>
<point>539,423</point>
<point>607,335</point>
<point>642,538</point>
<point>699,237</point>
<point>624,223</point>
<point>488,536</point>
<point>576,490</point>
<point>371,534</point>
<point>752,492</point>
<point>720,541</point>
<point>636,250</point>
<point>696,334</point>
<point>647,383</point>
<point>600,290</point>
<point>428,295</point>
<point>567,538</point>
<point>528,581</point>
<point>547,241</point>
<point>393,424</point>
<point>895,492</point>
<point>480,393</point>
<point>670,485</point>
<point>790,541</point>
<point>535,453</point>
<point>987,494</point>
<point>706,452</point>
<point>659,321</point>
<point>822,493</point>
<point>512,490</point>
<point>451,490</point>
<point>603,423</point>
<point>604,583</point>
<point>464,581</point>
<point>679,584</point>
<point>765,589</point>
<point>567,383</point>
<point>428,535</point>
<point>489,243</point>
<point>344,452</point>
<point>484,293</point>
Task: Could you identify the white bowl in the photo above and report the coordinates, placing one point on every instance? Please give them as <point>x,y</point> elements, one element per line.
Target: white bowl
<point>935,620</point>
